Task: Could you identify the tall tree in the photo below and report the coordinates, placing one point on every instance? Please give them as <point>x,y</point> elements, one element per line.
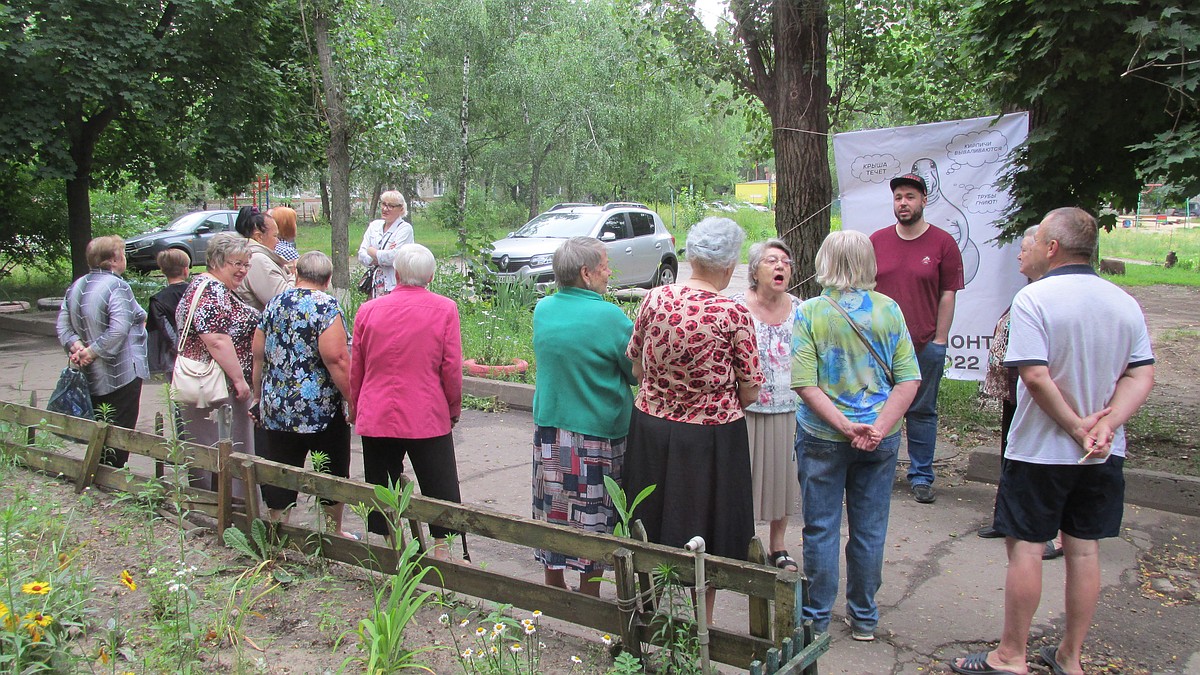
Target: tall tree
<point>364,64</point>
<point>1112,90</point>
<point>144,89</point>
<point>775,51</point>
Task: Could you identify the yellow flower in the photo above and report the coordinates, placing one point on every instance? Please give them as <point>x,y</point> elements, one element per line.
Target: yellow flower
<point>127,579</point>
<point>104,657</point>
<point>480,631</point>
<point>607,639</point>
<point>36,588</point>
<point>515,648</point>
<point>35,622</point>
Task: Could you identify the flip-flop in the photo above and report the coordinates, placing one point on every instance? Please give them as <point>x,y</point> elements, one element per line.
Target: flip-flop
<point>1049,656</point>
<point>782,560</point>
<point>976,664</point>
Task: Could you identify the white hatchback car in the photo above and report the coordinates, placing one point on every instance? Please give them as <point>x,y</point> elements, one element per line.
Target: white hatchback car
<point>641,252</point>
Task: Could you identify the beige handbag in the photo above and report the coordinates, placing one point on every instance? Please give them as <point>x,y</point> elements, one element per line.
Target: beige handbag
<point>197,383</point>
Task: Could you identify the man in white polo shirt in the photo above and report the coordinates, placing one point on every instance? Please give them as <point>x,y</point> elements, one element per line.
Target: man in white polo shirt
<point>1086,366</point>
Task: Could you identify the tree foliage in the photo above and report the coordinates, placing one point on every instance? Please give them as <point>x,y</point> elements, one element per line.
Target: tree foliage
<point>1111,86</point>
<point>118,89</point>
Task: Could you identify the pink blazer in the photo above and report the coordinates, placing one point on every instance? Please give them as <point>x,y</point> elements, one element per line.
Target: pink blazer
<point>406,365</point>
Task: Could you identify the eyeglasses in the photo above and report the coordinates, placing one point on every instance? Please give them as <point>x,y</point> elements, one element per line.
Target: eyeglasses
<point>773,260</point>
<point>241,265</point>
<point>390,206</point>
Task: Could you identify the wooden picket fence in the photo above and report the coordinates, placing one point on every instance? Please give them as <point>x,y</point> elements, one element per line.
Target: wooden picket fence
<point>777,640</point>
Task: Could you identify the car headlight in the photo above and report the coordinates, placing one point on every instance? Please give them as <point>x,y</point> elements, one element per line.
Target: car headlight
<point>541,260</point>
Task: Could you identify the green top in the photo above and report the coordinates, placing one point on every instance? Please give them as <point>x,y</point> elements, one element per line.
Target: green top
<point>583,375</point>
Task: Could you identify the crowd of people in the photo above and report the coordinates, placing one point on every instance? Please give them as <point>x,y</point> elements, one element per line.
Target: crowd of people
<point>760,406</point>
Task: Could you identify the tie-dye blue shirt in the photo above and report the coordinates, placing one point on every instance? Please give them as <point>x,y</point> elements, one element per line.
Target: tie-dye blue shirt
<point>827,353</point>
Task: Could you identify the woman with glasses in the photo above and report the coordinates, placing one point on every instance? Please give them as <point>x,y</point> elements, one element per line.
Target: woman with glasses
<point>381,241</point>
<point>771,420</point>
<point>268,275</point>
<point>221,330</point>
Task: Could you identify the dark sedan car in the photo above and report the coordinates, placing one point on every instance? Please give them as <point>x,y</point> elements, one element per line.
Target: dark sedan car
<point>188,233</point>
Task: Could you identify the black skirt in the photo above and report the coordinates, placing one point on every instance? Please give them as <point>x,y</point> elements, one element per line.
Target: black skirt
<point>702,474</point>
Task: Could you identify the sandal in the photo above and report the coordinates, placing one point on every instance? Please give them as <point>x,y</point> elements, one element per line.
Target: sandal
<point>976,664</point>
<point>783,561</point>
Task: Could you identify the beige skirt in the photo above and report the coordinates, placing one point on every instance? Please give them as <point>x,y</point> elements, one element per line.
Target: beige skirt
<point>773,464</point>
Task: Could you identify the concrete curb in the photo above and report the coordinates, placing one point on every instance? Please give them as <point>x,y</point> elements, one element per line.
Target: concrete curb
<point>1154,489</point>
<point>515,395</point>
<point>36,323</point>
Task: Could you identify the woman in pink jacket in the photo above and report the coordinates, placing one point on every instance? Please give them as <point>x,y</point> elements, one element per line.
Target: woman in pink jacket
<point>406,385</point>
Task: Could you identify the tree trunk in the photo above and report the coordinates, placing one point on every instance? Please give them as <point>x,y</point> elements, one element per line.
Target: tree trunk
<point>337,152</point>
<point>83,134</point>
<point>799,115</point>
<point>460,205</point>
<point>324,182</point>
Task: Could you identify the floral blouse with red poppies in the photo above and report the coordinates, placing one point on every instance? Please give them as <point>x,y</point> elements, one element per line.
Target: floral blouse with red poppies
<point>695,347</point>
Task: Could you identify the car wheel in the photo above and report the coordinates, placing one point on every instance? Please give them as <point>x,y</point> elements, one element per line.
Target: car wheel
<point>665,275</point>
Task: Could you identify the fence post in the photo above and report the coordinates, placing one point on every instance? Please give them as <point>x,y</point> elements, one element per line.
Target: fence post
<point>788,604</point>
<point>250,476</point>
<point>158,431</point>
<point>224,471</point>
<point>91,460</point>
<point>31,432</point>
<point>627,601</point>
<point>760,608</point>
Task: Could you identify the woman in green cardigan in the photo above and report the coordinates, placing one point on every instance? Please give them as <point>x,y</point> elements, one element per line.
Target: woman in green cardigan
<point>581,405</point>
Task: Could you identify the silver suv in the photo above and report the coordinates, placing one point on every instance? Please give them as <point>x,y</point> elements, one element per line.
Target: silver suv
<point>641,252</point>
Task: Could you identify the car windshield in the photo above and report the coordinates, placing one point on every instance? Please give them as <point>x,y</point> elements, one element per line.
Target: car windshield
<point>185,223</point>
<point>558,225</point>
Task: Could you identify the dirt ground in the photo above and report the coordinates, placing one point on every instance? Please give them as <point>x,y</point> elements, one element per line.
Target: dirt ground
<point>1165,438</point>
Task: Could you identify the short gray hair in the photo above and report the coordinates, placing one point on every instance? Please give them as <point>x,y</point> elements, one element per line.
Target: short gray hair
<point>414,265</point>
<point>758,251</point>
<point>224,246</point>
<point>1074,229</point>
<point>846,260</point>
<point>314,267</point>
<point>1029,232</point>
<point>715,243</point>
<point>575,254</point>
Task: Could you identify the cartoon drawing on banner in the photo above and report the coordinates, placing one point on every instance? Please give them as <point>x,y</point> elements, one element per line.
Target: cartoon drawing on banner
<point>939,211</point>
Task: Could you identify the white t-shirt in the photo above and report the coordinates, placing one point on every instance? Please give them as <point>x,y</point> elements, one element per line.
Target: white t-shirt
<point>1088,332</point>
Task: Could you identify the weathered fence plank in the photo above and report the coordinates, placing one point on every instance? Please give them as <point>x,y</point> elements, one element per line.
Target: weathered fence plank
<point>632,616</point>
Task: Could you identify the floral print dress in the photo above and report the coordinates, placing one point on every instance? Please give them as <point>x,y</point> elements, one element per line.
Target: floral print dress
<point>298,393</point>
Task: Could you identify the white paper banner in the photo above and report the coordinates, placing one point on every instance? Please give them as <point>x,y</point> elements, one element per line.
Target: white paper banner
<point>961,162</point>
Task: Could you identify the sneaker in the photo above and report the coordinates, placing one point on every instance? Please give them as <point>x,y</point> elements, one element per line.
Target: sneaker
<point>923,493</point>
<point>860,634</point>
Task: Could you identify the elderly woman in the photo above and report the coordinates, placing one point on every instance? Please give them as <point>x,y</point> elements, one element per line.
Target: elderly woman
<point>268,274</point>
<point>382,240</point>
<point>285,218</point>
<point>221,330</point>
<point>771,419</point>
<point>581,405</point>
<point>302,373</point>
<point>103,328</point>
<point>856,373</point>
<point>406,385</point>
<point>695,355</point>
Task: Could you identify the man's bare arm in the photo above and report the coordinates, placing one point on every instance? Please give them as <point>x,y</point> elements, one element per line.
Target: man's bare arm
<point>945,317</point>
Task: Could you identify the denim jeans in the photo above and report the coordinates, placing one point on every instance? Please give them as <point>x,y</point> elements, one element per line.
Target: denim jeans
<point>830,471</point>
<point>921,419</point>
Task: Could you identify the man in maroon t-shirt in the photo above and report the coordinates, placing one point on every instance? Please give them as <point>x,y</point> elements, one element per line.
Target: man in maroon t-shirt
<point>921,268</point>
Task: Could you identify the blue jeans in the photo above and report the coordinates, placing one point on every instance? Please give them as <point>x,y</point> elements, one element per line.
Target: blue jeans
<point>829,470</point>
<point>921,419</point>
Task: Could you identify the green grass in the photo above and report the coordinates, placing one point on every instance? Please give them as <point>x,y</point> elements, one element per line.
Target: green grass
<point>1152,245</point>
<point>1153,275</point>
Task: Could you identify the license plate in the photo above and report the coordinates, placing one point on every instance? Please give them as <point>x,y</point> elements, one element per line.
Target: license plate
<point>506,277</point>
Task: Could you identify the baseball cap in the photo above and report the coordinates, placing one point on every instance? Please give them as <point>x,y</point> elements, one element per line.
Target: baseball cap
<point>910,179</point>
